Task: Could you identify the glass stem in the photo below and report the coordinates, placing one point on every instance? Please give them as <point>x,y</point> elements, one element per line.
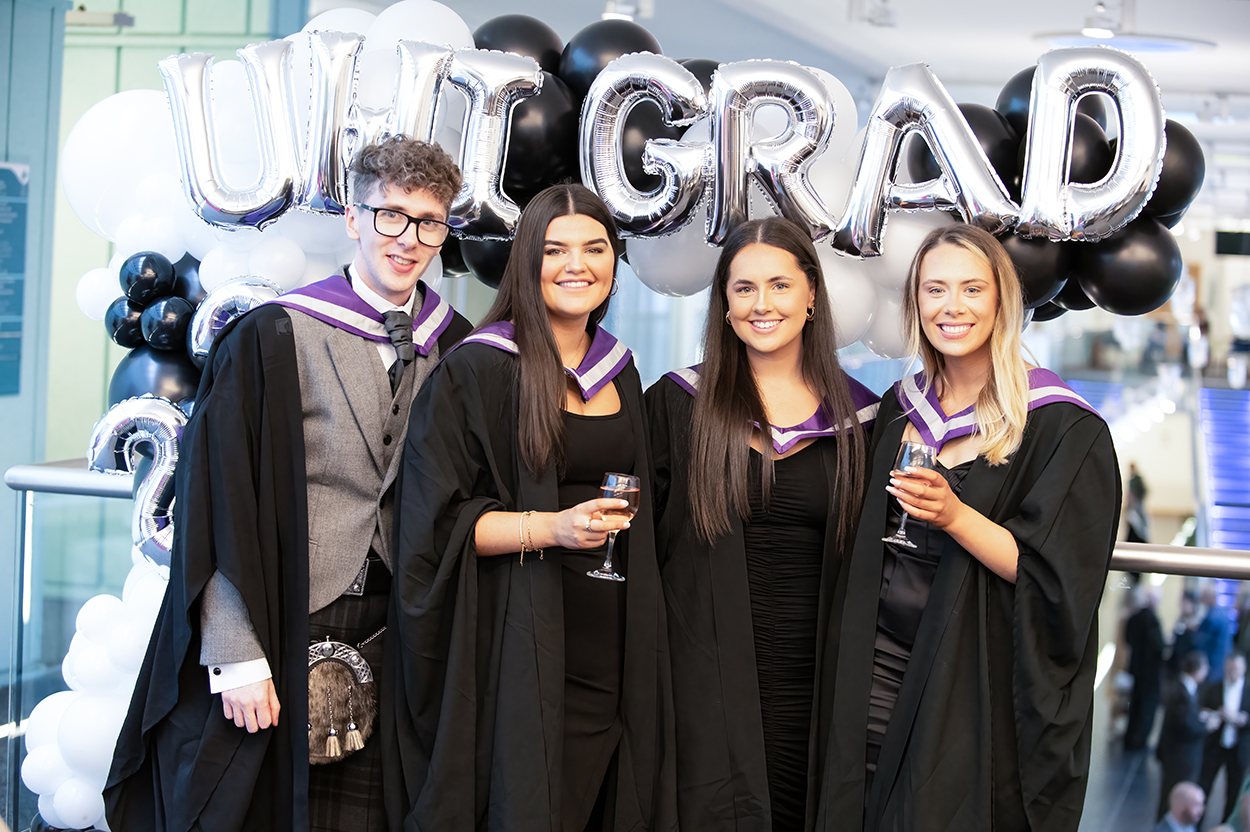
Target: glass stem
<point>901,523</point>
<point>607,561</point>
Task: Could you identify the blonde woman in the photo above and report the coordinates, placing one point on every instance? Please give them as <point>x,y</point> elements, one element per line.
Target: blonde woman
<point>965,670</point>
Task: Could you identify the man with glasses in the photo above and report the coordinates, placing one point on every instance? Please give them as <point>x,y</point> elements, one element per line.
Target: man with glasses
<point>283,535</point>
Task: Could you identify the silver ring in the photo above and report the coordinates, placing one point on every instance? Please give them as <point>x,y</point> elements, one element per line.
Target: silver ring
<point>588,519</point>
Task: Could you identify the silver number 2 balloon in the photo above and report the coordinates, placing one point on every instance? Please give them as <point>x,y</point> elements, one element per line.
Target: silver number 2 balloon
<point>129,423</point>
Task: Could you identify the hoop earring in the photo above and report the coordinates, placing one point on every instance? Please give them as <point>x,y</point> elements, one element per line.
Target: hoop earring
<point>615,286</point>
<point>811,313</point>
<point>727,320</point>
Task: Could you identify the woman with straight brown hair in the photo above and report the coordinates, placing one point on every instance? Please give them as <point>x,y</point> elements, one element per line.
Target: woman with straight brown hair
<point>968,636</point>
<point>530,694</point>
<point>759,455</point>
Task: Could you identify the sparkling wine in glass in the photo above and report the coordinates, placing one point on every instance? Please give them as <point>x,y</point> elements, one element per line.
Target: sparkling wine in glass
<point>913,455</point>
<point>617,487</point>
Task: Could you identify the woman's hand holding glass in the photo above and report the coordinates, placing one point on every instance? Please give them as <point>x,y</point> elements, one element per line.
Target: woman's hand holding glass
<point>586,525</point>
<point>926,495</point>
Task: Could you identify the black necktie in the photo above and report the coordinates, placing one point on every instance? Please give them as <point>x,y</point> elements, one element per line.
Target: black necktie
<point>399,327</point>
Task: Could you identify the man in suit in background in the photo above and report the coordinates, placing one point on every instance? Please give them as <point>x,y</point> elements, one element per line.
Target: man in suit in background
<point>1185,808</point>
<point>1144,637</point>
<point>1227,746</point>
<point>1184,728</point>
<point>286,488</point>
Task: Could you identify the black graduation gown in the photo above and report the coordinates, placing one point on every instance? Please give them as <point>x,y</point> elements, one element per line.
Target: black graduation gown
<point>241,509</point>
<point>993,720</point>
<point>722,778</point>
<point>478,662</point>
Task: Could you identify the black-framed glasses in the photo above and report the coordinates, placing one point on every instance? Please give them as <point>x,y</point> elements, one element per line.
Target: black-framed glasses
<point>391,223</point>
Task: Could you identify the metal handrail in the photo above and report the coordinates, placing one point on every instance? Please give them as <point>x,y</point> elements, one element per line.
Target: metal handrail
<point>71,476</point>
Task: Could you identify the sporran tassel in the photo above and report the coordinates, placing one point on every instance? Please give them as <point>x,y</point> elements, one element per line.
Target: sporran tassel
<point>354,741</point>
<point>333,749</point>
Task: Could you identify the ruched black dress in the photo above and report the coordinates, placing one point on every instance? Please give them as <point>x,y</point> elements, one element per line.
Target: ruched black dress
<point>785,550</point>
<point>906,577</point>
<point>594,621</point>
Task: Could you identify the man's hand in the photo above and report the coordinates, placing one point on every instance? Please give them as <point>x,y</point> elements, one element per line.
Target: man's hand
<point>252,706</point>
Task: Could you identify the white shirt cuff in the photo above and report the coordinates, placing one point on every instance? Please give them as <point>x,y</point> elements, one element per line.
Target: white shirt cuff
<point>230,675</point>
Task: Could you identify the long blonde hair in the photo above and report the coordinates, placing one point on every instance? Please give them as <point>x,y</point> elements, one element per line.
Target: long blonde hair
<point>1003,404</point>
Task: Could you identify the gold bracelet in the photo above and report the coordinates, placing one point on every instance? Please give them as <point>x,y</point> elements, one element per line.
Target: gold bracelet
<point>529,531</point>
<point>520,530</point>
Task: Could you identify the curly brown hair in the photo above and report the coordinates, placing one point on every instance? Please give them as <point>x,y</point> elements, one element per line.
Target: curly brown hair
<point>406,163</point>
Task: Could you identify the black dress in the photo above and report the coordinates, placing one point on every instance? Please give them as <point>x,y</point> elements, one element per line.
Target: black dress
<point>906,576</point>
<point>594,622</point>
<point>785,549</point>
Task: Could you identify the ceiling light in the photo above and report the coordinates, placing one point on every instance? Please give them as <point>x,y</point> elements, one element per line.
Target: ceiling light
<point>1113,24</point>
<point>1097,32</point>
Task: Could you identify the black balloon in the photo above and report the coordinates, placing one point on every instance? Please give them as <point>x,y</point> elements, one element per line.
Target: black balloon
<point>1013,102</point>
<point>1134,271</point>
<point>1047,312</point>
<point>542,144</point>
<point>453,261</point>
<point>996,136</point>
<point>598,45</point>
<point>122,322</point>
<point>701,68</point>
<point>1071,296</point>
<point>1092,153</point>
<point>644,122</point>
<point>165,323</point>
<point>523,35</point>
<point>486,259</point>
<point>1172,220</point>
<point>147,276</point>
<point>187,280</point>
<point>1184,168</point>
<point>145,370</point>
<point>1043,266</point>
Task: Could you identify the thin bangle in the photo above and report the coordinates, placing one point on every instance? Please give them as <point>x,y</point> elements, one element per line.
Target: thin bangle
<point>520,530</point>
<point>529,531</point>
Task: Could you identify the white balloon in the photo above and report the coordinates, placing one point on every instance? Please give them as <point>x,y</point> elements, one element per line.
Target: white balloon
<point>904,232</point>
<point>99,615</point>
<point>47,811</point>
<point>44,769</point>
<point>97,289</point>
<point>420,20</point>
<point>128,642</point>
<point>160,193</point>
<point>885,333</point>
<point>115,268</point>
<point>69,664</point>
<point>352,21</point>
<point>319,267</point>
<point>220,265</point>
<point>146,595</point>
<point>314,233</point>
<point>852,294</point>
<point>242,239</point>
<point>198,236</point>
<point>94,671</point>
<point>42,724</point>
<point>845,115</point>
<point>79,803</point>
<point>111,148</point>
<point>278,260</point>
<point>140,566</point>
<point>433,274</point>
<point>151,232</point>
<point>375,77</point>
<point>88,732</point>
<point>679,264</point>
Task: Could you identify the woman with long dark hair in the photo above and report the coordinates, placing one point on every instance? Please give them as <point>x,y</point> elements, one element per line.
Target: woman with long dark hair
<point>964,684</point>
<point>760,458</point>
<point>531,695</point>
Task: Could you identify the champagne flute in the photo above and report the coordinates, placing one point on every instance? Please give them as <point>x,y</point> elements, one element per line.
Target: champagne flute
<point>913,455</point>
<point>617,487</point>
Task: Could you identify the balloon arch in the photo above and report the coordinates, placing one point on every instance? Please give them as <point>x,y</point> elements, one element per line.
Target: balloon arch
<point>234,193</point>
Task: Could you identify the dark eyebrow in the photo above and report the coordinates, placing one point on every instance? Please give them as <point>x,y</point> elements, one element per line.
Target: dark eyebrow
<point>424,215</point>
<point>597,241</point>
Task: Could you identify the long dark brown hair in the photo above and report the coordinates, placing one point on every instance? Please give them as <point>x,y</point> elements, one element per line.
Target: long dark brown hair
<point>729,398</point>
<point>543,382</point>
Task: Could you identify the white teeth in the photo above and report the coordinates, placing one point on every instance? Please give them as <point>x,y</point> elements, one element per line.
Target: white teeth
<point>764,324</point>
<point>575,284</point>
<point>955,329</point>
<point>401,261</point>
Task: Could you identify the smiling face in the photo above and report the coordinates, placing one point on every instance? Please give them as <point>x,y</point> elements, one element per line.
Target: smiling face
<point>769,296</point>
<point>957,298</point>
<point>391,266</point>
<point>578,265</point>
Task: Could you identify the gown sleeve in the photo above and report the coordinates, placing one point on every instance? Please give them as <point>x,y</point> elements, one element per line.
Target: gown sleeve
<point>450,477</point>
<point>1065,529</point>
